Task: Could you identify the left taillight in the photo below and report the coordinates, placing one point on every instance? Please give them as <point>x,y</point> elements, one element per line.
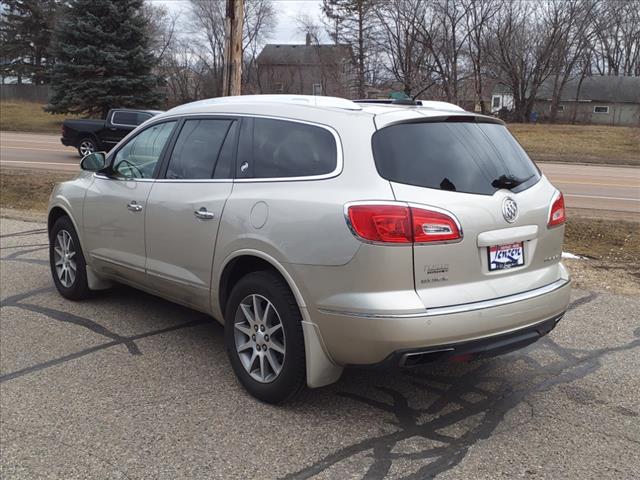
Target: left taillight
<point>401,224</point>
<point>557,213</point>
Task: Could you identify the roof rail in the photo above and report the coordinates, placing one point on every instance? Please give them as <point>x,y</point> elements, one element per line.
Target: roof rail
<point>309,100</point>
<point>407,102</point>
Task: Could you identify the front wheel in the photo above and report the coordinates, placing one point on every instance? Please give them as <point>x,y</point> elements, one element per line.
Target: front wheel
<point>68,266</point>
<point>264,339</point>
<point>87,146</point>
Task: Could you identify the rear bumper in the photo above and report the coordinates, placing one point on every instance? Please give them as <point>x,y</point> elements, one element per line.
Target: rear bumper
<point>471,350</point>
<point>359,338</point>
<point>67,142</point>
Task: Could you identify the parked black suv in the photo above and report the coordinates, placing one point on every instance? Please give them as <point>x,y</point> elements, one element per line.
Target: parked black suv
<point>89,136</point>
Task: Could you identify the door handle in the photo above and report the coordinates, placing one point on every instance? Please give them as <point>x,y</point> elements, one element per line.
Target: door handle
<point>134,206</point>
<point>204,214</point>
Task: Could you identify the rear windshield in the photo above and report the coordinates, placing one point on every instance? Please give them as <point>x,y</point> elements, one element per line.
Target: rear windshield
<point>457,156</point>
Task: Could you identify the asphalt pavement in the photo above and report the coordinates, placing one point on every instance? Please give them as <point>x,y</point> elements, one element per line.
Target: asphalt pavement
<point>128,386</point>
<point>585,186</point>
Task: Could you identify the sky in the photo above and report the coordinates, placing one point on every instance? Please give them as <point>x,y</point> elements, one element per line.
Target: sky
<point>287,11</point>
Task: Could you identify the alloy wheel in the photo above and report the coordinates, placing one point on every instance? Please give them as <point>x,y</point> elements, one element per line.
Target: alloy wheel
<point>87,147</point>
<point>64,253</point>
<point>259,338</point>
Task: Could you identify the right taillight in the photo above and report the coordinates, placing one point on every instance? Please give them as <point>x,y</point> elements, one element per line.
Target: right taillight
<point>401,223</point>
<point>557,214</point>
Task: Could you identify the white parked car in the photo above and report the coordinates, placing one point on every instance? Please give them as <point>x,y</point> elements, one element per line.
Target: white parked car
<point>323,233</point>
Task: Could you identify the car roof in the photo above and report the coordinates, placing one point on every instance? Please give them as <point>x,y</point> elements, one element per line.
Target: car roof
<point>307,106</point>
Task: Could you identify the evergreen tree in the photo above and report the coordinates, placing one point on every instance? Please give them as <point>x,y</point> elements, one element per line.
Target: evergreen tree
<point>25,35</point>
<point>103,58</point>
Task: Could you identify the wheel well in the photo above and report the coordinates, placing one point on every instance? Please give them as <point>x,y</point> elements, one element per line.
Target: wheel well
<point>238,268</point>
<point>89,135</point>
<point>54,215</point>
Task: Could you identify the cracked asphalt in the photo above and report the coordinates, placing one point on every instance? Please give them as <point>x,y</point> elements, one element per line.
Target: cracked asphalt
<point>128,386</point>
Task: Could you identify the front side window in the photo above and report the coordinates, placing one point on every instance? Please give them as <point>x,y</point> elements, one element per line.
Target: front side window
<point>271,148</point>
<point>139,156</point>
<point>198,149</point>
<point>457,156</point>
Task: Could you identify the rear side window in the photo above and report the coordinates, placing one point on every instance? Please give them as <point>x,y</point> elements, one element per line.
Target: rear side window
<point>280,149</point>
<point>197,149</point>
<point>457,156</point>
<point>130,118</point>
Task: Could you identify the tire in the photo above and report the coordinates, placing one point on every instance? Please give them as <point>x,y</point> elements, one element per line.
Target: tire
<point>87,145</point>
<point>266,385</point>
<point>72,284</point>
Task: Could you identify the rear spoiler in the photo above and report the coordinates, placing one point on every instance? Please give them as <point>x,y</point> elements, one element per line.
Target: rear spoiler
<point>465,118</point>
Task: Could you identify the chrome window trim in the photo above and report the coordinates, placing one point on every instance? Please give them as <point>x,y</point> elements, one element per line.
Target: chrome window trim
<point>336,136</point>
<point>401,204</point>
<point>118,179</point>
<point>194,180</point>
<point>462,308</point>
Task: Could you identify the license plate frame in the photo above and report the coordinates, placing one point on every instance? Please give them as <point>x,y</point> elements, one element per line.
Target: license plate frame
<point>506,256</point>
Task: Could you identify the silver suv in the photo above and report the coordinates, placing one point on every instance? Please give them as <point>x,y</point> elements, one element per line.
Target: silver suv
<point>323,233</point>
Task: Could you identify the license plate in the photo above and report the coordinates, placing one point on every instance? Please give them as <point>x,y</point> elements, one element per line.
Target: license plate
<point>506,256</point>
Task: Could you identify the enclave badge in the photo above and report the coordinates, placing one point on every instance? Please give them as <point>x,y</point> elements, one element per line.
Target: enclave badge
<point>509,209</point>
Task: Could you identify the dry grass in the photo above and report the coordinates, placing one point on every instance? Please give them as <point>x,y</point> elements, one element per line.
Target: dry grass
<point>29,117</point>
<point>28,190</point>
<point>580,143</point>
<point>612,251</point>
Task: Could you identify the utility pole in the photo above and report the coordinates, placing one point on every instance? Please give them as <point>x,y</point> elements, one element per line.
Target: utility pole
<point>232,74</point>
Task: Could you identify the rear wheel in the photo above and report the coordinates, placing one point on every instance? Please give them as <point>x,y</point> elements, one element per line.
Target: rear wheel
<point>264,339</point>
<point>87,146</point>
<point>68,266</point>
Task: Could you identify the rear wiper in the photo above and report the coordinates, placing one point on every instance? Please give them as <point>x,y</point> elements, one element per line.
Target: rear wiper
<point>507,181</point>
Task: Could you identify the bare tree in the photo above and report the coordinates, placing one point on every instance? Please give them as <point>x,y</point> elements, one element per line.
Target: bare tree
<point>207,18</point>
<point>162,29</point>
<point>445,37</point>
<point>480,14</point>
<point>354,24</point>
<point>616,48</point>
<point>525,38</point>
<point>575,17</point>
<point>401,26</point>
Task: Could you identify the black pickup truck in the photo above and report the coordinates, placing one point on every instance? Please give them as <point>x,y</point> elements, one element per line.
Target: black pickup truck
<point>90,136</point>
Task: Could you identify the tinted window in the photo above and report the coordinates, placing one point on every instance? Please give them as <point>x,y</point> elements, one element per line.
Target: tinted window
<point>457,156</point>
<point>142,117</point>
<point>224,166</point>
<point>197,148</point>
<point>125,118</point>
<point>278,148</point>
<point>139,156</point>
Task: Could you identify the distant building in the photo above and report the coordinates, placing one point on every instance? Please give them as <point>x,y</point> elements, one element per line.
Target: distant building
<point>309,69</point>
<point>605,100</point>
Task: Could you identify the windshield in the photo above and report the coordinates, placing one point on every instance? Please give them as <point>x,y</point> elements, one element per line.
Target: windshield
<point>464,157</point>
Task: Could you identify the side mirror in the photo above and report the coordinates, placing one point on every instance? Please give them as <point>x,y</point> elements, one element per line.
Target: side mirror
<point>94,162</point>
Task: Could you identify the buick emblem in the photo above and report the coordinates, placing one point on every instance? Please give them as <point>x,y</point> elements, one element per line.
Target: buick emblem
<point>509,209</point>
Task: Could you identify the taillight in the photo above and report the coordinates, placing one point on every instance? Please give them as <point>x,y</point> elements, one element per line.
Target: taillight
<point>401,223</point>
<point>430,226</point>
<point>557,214</point>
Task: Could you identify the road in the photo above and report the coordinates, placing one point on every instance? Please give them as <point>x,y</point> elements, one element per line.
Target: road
<point>127,386</point>
<point>584,186</point>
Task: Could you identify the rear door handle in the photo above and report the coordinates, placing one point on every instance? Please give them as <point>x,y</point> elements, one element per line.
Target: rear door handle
<point>204,214</point>
<point>134,206</point>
